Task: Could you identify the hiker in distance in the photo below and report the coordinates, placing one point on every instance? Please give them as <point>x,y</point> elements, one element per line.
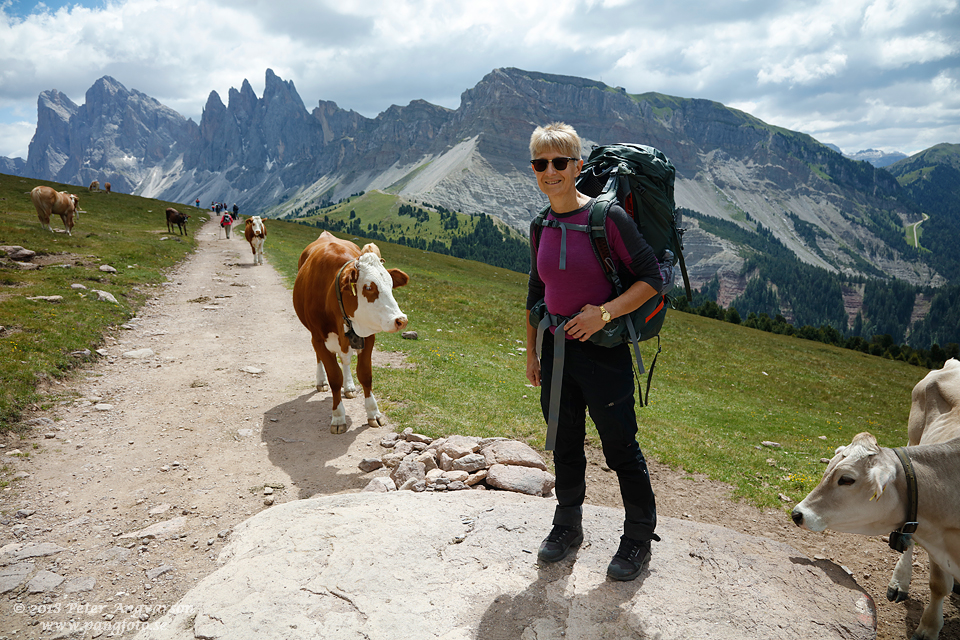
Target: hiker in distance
<point>567,277</point>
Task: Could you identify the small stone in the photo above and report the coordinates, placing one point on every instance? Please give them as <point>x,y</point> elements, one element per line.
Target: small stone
<point>380,485</point>
<point>268,501</point>
<point>370,464</point>
<point>409,335</point>
<point>139,354</point>
<point>104,296</point>
<point>153,574</point>
<point>268,491</point>
<point>107,268</point>
<point>771,445</point>
<point>44,581</point>
<point>79,584</point>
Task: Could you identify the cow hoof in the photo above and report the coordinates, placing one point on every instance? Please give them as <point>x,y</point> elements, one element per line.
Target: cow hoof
<point>338,428</point>
<point>323,387</point>
<point>351,393</point>
<point>895,595</point>
<point>375,422</point>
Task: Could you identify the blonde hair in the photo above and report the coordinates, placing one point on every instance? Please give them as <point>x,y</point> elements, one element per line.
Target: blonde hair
<point>558,137</point>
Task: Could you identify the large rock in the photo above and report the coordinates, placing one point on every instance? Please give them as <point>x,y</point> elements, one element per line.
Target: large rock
<point>462,566</point>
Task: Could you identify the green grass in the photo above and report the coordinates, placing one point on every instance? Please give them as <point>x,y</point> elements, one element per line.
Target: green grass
<point>38,337</point>
<point>382,209</point>
<point>719,389</point>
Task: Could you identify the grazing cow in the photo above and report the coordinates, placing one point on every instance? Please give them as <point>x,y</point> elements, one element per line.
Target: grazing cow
<point>50,201</point>
<point>94,186</point>
<point>865,490</point>
<point>344,296</point>
<point>107,187</point>
<point>174,217</point>
<point>255,232</point>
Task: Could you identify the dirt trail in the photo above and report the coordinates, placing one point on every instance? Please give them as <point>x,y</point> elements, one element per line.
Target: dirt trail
<point>184,433</point>
<point>187,438</point>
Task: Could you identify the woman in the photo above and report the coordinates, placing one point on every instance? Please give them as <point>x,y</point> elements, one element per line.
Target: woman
<point>566,274</point>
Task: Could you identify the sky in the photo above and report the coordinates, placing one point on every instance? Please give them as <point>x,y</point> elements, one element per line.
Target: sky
<point>859,74</point>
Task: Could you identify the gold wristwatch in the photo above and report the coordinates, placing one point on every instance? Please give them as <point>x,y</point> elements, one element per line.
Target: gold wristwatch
<point>604,314</point>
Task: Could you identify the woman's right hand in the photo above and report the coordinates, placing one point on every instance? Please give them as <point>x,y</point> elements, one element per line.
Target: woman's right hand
<point>533,369</point>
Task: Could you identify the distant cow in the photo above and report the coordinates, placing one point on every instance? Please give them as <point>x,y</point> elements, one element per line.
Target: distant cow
<point>50,201</point>
<point>864,490</point>
<point>255,232</point>
<point>174,217</point>
<point>94,186</point>
<point>107,187</point>
<point>344,296</point>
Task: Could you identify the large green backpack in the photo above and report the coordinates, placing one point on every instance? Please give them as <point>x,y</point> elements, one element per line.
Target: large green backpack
<point>640,179</point>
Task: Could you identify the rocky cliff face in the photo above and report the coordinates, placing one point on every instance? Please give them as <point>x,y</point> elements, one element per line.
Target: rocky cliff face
<point>50,147</point>
<point>271,154</point>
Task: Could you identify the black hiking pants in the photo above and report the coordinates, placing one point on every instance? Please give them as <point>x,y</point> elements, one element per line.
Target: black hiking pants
<point>598,379</point>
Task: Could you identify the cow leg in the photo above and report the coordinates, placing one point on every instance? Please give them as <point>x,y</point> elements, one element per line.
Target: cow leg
<point>365,376</point>
<point>941,584</point>
<point>899,587</point>
<point>349,388</point>
<point>335,375</point>
<point>319,348</point>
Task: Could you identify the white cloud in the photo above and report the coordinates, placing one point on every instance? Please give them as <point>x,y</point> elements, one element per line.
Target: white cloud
<point>15,137</point>
<point>804,69</point>
<point>902,52</point>
<point>809,66</point>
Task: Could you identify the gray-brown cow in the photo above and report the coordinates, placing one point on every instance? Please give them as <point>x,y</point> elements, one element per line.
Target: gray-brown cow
<point>864,490</point>
<point>174,217</point>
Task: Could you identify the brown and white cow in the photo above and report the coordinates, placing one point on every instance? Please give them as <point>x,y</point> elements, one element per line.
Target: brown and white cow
<point>255,232</point>
<point>864,490</point>
<point>94,186</point>
<point>174,217</point>
<point>50,201</point>
<point>107,187</point>
<point>344,296</point>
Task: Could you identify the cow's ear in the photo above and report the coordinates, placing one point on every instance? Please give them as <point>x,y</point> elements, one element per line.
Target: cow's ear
<point>399,277</point>
<point>880,476</point>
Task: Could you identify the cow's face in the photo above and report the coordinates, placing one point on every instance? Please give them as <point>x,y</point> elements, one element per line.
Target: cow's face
<point>373,285</point>
<point>851,497</point>
<point>257,224</point>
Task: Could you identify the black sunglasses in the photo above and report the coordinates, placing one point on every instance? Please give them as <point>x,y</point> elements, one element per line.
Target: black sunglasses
<point>540,164</point>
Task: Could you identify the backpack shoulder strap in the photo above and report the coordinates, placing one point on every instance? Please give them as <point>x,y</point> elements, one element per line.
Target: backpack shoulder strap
<point>539,222</point>
<point>598,235</point>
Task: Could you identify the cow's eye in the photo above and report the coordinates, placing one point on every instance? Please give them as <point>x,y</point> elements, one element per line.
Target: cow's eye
<point>845,480</point>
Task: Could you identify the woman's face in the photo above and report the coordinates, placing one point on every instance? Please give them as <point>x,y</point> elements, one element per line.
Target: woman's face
<point>554,183</point>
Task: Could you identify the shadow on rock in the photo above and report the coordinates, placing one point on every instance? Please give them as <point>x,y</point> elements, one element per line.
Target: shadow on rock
<point>549,610</point>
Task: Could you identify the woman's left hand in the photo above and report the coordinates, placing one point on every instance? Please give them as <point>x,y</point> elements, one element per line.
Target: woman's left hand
<point>586,323</point>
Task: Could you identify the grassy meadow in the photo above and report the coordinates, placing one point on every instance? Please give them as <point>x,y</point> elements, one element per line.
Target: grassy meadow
<point>38,337</point>
<point>719,390</point>
<point>381,211</point>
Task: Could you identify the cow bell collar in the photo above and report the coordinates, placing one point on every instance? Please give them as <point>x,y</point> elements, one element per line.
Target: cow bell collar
<point>356,342</point>
<point>902,537</point>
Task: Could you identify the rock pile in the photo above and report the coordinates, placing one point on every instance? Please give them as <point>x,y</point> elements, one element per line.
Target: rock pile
<point>419,463</point>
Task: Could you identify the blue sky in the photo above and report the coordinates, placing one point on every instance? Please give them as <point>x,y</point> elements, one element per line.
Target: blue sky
<point>860,74</point>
